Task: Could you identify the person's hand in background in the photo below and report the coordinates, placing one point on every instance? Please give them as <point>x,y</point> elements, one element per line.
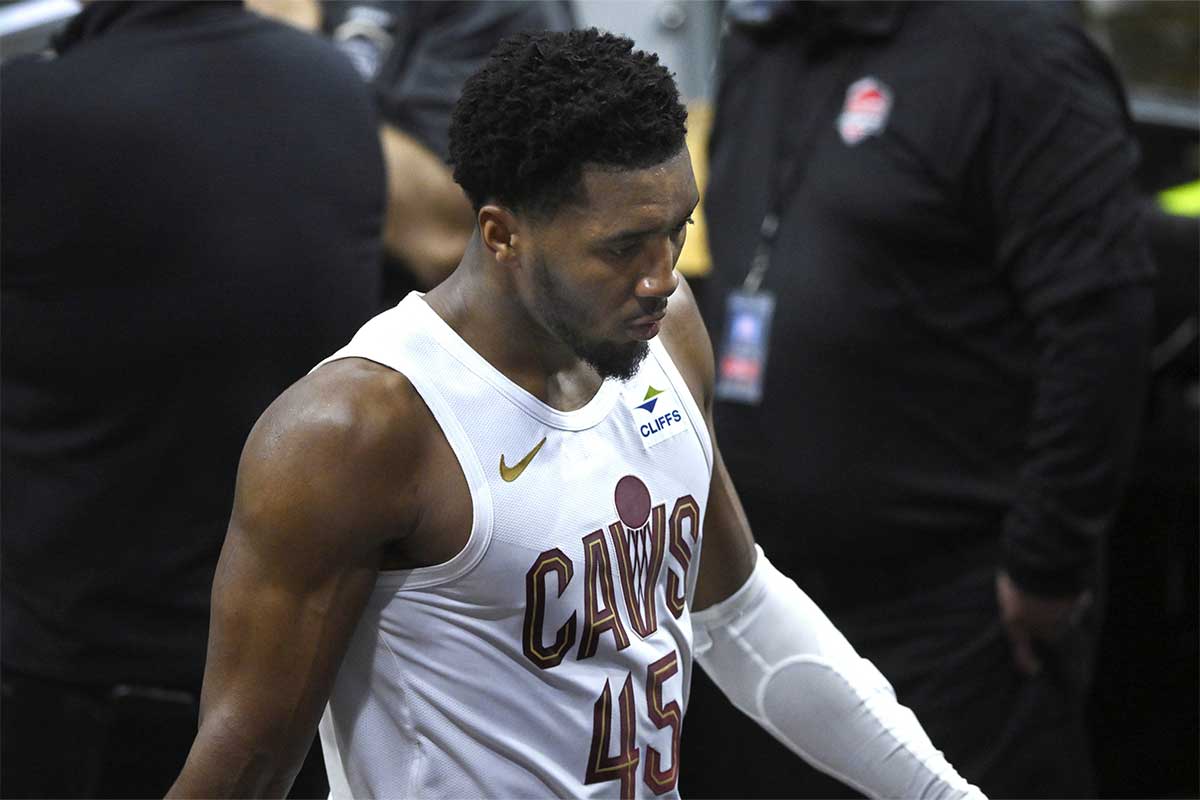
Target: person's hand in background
<point>1029,618</point>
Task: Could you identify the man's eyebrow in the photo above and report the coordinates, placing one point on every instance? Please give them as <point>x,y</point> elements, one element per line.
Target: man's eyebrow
<point>627,236</point>
<point>638,233</point>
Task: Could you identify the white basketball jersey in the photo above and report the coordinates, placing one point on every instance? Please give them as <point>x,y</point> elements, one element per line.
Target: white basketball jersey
<point>552,656</point>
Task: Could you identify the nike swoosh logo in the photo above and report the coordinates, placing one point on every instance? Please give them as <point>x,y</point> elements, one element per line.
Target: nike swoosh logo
<point>510,474</point>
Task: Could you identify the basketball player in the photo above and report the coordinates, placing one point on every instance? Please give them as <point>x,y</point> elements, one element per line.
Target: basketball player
<point>482,543</point>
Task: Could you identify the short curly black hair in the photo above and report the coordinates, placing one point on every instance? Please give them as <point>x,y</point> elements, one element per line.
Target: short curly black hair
<point>547,103</point>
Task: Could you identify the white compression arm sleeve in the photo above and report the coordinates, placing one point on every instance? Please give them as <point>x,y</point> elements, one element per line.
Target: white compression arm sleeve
<point>780,660</point>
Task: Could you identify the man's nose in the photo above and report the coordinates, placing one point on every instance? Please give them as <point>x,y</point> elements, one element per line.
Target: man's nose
<point>660,278</point>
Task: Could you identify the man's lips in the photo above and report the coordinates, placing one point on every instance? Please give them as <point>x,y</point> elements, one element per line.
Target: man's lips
<point>646,327</point>
<point>648,319</point>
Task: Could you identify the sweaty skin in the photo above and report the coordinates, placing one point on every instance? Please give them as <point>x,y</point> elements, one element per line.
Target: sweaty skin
<point>347,472</point>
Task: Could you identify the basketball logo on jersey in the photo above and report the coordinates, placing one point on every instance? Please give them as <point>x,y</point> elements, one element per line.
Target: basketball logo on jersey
<point>638,539</point>
<point>632,555</point>
<point>657,416</point>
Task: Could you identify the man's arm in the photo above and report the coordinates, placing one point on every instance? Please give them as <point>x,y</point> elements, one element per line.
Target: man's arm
<point>1056,177</point>
<point>429,220</point>
<point>310,520</point>
<point>775,655</point>
<point>1090,382</point>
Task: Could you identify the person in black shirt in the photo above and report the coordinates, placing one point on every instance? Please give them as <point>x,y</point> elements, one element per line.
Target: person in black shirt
<point>192,202</point>
<point>956,358</point>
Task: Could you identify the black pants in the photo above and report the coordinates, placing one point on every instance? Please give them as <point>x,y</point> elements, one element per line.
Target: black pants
<point>940,643</point>
<point>63,740</point>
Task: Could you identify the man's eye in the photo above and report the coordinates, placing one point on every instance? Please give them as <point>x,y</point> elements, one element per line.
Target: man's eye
<point>624,250</point>
<point>679,231</point>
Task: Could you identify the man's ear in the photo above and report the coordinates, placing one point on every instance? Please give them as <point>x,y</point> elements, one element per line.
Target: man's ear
<point>500,231</point>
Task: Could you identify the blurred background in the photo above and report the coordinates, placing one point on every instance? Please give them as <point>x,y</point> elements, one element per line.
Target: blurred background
<point>1146,696</point>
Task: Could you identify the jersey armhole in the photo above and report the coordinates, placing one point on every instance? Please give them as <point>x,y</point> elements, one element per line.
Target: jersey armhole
<point>477,485</point>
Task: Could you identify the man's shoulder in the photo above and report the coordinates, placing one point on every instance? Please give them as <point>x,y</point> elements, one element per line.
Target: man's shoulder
<point>1035,37</point>
<point>355,393</point>
<point>337,454</point>
<point>312,57</point>
<point>353,411</point>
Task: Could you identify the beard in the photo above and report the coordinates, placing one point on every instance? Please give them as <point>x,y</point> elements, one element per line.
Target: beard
<point>561,315</point>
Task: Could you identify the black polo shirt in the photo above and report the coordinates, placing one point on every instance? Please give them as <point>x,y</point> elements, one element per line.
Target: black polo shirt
<point>192,200</point>
<point>964,187</point>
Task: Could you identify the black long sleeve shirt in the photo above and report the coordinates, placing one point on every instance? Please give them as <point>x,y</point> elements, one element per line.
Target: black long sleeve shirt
<point>958,356</point>
<point>192,200</point>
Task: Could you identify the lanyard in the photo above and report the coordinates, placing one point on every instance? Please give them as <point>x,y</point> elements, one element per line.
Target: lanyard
<point>790,162</point>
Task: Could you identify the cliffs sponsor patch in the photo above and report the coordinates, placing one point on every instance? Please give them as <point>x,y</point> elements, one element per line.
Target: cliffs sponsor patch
<point>657,416</point>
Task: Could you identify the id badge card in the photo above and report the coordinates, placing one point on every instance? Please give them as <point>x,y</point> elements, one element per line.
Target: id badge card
<point>742,358</point>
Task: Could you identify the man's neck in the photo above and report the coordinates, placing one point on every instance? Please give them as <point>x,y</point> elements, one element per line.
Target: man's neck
<point>483,309</point>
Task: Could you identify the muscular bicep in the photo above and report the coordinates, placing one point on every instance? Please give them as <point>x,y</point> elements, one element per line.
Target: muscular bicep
<point>298,565</point>
<point>282,614</point>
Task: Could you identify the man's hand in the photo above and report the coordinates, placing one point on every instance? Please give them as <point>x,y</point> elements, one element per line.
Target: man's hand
<point>1028,617</point>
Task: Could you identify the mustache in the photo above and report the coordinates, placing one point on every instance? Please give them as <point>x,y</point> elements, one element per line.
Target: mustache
<point>654,305</point>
